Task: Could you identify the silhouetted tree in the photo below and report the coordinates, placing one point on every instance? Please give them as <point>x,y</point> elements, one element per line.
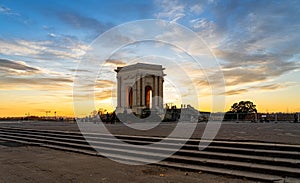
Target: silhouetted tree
<point>242,108</point>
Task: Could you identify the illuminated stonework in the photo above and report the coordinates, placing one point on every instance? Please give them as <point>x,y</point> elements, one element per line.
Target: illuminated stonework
<point>140,86</point>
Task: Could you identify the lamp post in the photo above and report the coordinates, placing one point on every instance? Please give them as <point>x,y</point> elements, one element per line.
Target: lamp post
<point>47,113</point>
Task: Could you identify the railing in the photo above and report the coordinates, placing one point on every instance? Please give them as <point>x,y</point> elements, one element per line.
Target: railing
<point>262,117</point>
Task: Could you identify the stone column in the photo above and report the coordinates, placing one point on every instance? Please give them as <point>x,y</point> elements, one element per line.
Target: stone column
<point>143,91</point>
<point>122,95</point>
<point>155,91</point>
<point>134,92</point>
<point>160,90</point>
<point>137,90</point>
<point>119,92</point>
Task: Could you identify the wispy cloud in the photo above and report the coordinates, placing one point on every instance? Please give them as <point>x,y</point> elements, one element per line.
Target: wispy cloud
<point>276,86</point>
<point>236,92</point>
<point>16,67</point>
<point>104,83</point>
<point>4,9</point>
<point>98,84</point>
<point>103,95</point>
<point>60,48</point>
<point>255,34</point>
<point>172,10</point>
<point>17,75</point>
<point>115,62</point>
<point>79,21</point>
<point>260,88</point>
<point>7,11</point>
<point>79,70</point>
<point>36,83</point>
<point>197,9</point>
<point>255,44</point>
<point>98,95</point>
<point>241,68</point>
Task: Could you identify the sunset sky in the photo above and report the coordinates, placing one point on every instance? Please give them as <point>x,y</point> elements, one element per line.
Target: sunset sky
<point>256,43</point>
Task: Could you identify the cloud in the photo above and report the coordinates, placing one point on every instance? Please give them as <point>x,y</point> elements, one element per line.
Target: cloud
<point>19,47</point>
<point>16,67</point>
<point>275,86</point>
<point>79,70</point>
<point>89,85</point>
<point>241,68</point>
<point>197,9</point>
<point>40,81</point>
<point>266,31</point>
<point>105,94</point>
<point>254,41</point>
<point>260,34</point>
<point>99,95</point>
<point>18,75</point>
<point>201,82</point>
<point>52,35</point>
<point>63,47</point>
<point>260,88</point>
<point>36,83</point>
<point>236,92</point>
<point>4,9</point>
<point>98,84</point>
<point>79,21</point>
<point>104,83</point>
<point>206,29</point>
<point>7,11</point>
<point>171,10</point>
<point>116,62</point>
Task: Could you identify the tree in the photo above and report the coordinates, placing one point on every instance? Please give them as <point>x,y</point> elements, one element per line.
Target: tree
<point>242,109</point>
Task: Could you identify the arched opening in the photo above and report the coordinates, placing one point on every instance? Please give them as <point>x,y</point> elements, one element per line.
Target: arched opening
<point>130,97</point>
<point>148,96</point>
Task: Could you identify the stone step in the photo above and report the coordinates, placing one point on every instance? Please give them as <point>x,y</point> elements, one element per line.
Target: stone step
<point>150,156</point>
<point>221,154</point>
<point>241,157</point>
<point>224,171</point>
<point>247,166</point>
<point>195,153</point>
<point>128,159</point>
<point>191,143</point>
<point>19,141</point>
<point>259,152</point>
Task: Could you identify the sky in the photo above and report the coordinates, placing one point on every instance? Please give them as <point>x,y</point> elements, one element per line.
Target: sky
<point>256,43</point>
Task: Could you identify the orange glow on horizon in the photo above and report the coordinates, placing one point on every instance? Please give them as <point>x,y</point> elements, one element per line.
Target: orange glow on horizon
<point>66,108</point>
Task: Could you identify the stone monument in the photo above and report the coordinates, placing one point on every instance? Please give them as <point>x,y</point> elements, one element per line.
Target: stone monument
<point>139,87</point>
